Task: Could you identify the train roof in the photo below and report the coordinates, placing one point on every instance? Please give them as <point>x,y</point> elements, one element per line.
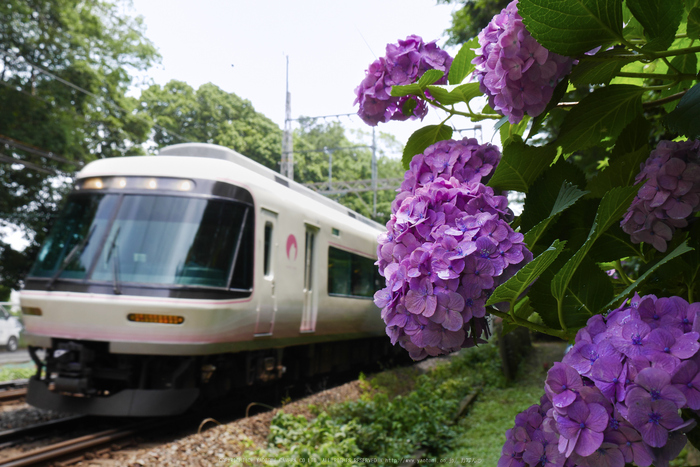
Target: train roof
<point>212,151</point>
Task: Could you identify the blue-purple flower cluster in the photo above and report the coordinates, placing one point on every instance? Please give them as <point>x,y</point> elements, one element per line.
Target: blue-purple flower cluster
<point>404,64</point>
<point>616,395</point>
<point>669,196</point>
<point>516,73</point>
<point>446,248</point>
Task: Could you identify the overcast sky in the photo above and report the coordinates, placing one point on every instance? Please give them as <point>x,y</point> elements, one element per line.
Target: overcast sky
<point>242,47</point>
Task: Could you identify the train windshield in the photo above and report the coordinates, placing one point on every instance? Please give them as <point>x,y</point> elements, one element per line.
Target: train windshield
<point>145,239</point>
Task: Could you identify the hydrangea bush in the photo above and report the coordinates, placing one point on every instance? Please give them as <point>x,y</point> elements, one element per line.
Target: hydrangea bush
<point>598,109</point>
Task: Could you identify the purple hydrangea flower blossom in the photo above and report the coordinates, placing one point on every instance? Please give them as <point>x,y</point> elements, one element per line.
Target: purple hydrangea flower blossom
<point>654,384</point>
<point>403,64</point>
<point>582,428</point>
<point>562,385</point>
<point>669,196</point>
<point>609,375</point>
<point>631,445</point>
<point>687,380</point>
<point>516,73</point>
<point>447,246</point>
<point>654,419</point>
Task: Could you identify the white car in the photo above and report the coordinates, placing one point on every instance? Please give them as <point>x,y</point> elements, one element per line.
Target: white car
<point>10,329</point>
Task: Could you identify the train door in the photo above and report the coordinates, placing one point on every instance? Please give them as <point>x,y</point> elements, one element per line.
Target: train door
<point>308,317</point>
<point>267,300</point>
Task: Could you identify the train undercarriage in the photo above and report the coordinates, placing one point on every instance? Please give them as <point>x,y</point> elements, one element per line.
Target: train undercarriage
<point>83,377</point>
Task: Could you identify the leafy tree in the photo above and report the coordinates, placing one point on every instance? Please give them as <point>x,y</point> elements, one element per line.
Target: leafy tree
<point>468,21</point>
<point>66,67</point>
<point>315,143</point>
<point>211,115</point>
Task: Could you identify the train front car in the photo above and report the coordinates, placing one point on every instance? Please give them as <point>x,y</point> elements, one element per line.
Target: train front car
<point>165,277</point>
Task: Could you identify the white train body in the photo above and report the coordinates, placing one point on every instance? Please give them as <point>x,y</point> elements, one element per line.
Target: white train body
<point>193,255</point>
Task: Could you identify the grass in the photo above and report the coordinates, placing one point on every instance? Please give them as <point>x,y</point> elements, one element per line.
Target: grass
<point>482,431</point>
<point>9,374</point>
<point>404,414</point>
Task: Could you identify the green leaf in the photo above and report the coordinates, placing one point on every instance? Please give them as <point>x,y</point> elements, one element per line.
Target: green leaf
<point>682,248</point>
<point>467,92</point>
<point>429,77</point>
<point>572,27</point>
<point>613,205</point>
<point>659,19</point>
<point>449,95</point>
<point>523,310</point>
<point>587,291</point>
<point>621,172</point>
<point>694,23</point>
<point>407,90</point>
<point>462,63</point>
<point>686,118</point>
<point>568,195</point>
<point>508,131</point>
<point>423,138</point>
<point>612,245</point>
<point>512,288</point>
<point>634,136</point>
<point>592,71</point>
<point>443,95</point>
<point>557,95</point>
<point>521,165</point>
<point>602,114</point>
<point>544,193</point>
<point>416,89</point>
<point>686,63</point>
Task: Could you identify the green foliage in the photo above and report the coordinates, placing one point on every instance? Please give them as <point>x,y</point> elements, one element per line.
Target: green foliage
<point>211,115</point>
<point>587,23</point>
<point>10,374</point>
<point>423,138</point>
<point>471,18</point>
<point>386,423</point>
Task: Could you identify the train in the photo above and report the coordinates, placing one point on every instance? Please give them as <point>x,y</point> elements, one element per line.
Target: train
<point>191,274</point>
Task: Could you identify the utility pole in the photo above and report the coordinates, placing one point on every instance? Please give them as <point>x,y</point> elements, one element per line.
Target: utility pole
<point>287,164</point>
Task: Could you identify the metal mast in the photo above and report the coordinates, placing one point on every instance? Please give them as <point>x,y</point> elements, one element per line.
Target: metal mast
<point>287,164</point>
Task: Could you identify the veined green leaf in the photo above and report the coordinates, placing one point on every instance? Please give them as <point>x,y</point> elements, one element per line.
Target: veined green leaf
<point>462,63</point>
<point>568,195</point>
<point>613,205</point>
<point>591,71</point>
<point>603,113</point>
<point>423,138</point>
<point>572,27</point>
<point>621,172</point>
<point>659,19</point>
<point>521,165</point>
<point>449,95</point>
<point>682,248</point>
<point>516,285</point>
<point>694,23</point>
<point>429,77</point>
<point>686,118</point>
<point>406,90</point>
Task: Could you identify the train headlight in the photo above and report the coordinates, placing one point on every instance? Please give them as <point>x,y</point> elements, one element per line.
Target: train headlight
<point>158,319</point>
<point>152,184</point>
<point>93,184</point>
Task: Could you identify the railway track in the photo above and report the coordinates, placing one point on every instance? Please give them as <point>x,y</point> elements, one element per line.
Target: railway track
<point>71,450</point>
<point>12,391</point>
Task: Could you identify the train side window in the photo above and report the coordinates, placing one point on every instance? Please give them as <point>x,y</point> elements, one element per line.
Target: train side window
<point>268,248</point>
<point>350,275</point>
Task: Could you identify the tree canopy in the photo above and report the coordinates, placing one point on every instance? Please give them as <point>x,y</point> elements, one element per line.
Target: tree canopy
<point>211,115</point>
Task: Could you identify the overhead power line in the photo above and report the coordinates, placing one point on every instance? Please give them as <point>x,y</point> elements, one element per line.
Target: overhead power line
<point>39,152</point>
<point>29,165</point>
<point>84,91</point>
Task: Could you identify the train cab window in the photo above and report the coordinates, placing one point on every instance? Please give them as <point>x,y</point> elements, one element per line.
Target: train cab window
<point>147,239</point>
<point>268,249</point>
<point>351,275</point>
